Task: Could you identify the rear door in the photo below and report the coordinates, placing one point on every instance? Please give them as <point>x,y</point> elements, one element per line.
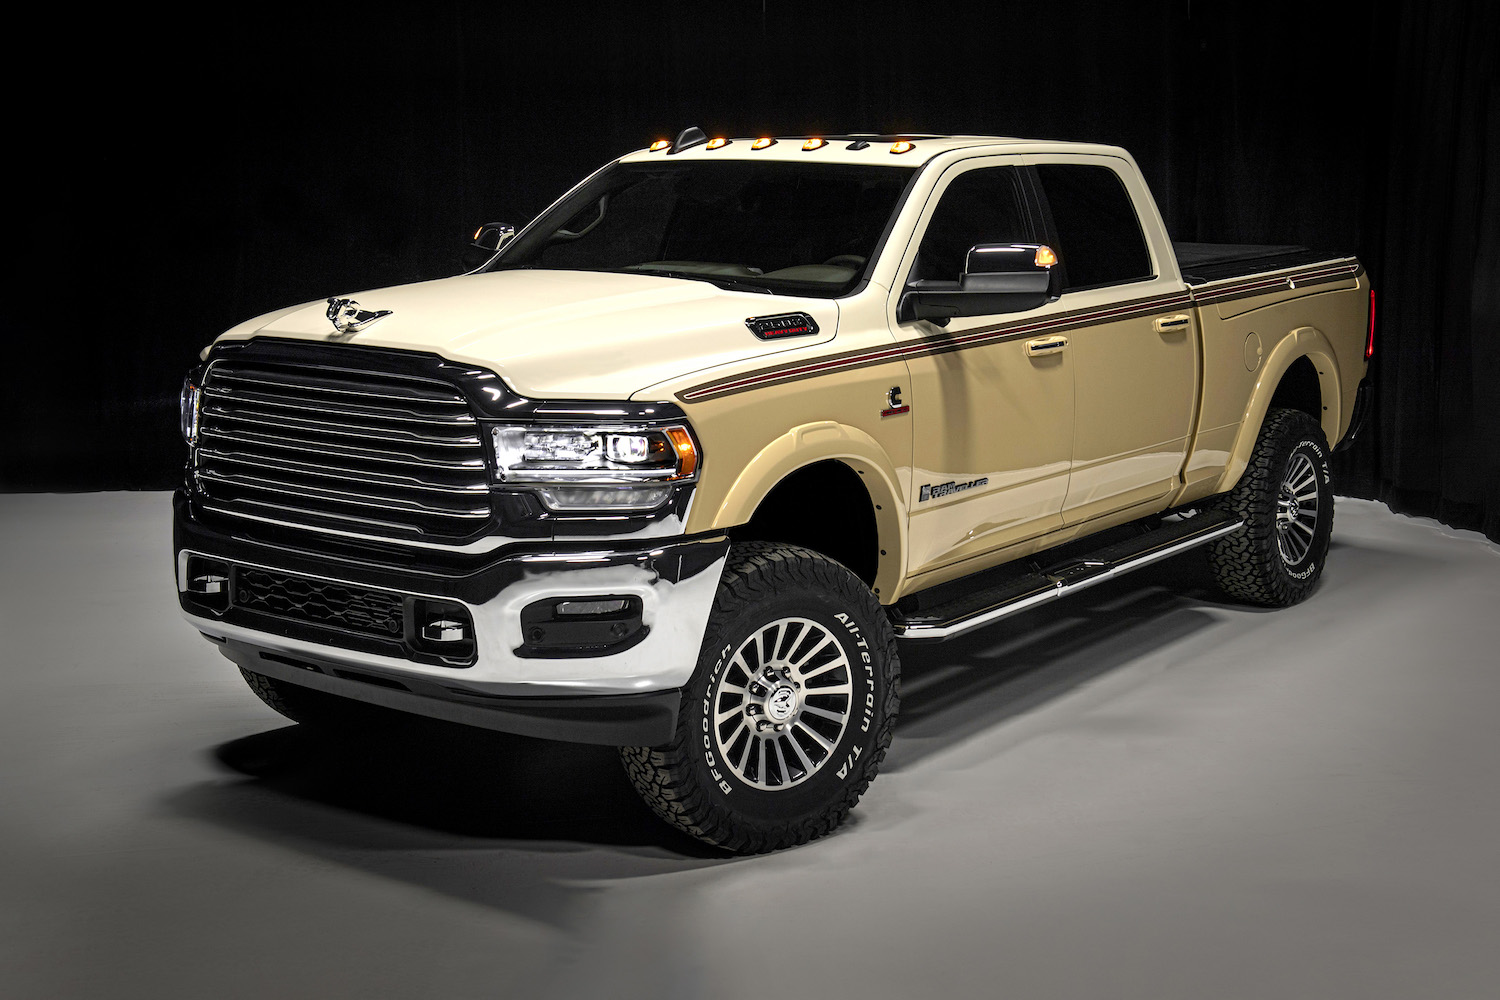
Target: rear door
<point>1134,353</point>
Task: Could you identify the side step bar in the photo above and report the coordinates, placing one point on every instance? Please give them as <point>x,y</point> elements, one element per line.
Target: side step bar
<point>979,608</point>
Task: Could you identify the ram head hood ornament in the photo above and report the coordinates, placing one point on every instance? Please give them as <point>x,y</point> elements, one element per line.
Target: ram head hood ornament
<point>348,318</point>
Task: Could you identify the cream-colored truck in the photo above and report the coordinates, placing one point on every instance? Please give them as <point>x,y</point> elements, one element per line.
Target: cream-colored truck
<point>681,466</point>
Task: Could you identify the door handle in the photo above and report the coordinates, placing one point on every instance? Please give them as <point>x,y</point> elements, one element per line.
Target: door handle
<point>1169,323</point>
<point>1045,345</point>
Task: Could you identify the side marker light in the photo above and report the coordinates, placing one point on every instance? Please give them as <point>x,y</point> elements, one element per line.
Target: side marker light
<point>1045,257</point>
<point>763,142</point>
<point>660,144</point>
<point>902,147</point>
<point>815,144</point>
<point>715,143</point>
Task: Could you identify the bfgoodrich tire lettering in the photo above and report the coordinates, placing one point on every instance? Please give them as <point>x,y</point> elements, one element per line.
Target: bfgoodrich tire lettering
<point>1286,501</point>
<point>789,714</point>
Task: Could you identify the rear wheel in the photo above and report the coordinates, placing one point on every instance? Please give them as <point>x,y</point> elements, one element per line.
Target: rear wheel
<point>1286,500</point>
<point>789,713</point>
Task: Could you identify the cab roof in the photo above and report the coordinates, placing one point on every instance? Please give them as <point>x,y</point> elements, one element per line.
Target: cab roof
<point>906,149</point>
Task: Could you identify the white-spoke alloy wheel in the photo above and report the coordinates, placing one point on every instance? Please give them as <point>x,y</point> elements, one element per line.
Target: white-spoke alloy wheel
<point>1286,501</point>
<point>789,713</point>
<point>782,704</point>
<point>1297,510</point>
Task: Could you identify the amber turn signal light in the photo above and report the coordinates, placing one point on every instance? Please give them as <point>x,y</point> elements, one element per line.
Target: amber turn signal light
<point>1045,257</point>
<point>687,455</point>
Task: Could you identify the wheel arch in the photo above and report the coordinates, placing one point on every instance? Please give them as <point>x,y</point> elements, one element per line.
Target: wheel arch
<point>1301,373</point>
<point>844,466</point>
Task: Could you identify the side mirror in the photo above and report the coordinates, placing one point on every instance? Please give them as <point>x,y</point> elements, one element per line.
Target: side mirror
<point>493,235</point>
<point>997,278</point>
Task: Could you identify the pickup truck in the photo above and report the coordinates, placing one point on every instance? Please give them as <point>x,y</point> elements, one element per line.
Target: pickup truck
<point>684,462</point>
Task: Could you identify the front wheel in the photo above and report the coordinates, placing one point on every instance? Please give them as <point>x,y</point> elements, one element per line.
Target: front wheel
<point>789,713</point>
<point>1286,501</point>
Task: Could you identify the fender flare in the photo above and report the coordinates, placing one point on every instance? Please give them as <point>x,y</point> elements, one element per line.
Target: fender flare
<point>822,441</point>
<point>1303,342</point>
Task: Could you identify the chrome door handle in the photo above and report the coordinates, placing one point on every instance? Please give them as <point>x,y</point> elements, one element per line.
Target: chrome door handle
<point>1045,345</point>
<point>1168,323</point>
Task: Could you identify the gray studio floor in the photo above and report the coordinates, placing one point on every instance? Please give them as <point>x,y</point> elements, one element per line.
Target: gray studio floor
<point>1144,793</point>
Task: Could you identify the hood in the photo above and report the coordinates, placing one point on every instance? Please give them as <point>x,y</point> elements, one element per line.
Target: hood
<point>562,334</point>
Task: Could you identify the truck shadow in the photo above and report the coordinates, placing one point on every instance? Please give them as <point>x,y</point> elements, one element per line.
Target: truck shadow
<point>524,825</point>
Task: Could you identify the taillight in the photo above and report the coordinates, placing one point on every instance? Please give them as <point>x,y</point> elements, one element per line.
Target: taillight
<point>1370,337</point>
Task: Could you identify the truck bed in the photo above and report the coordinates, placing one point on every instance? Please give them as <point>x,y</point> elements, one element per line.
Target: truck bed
<point>1204,262</point>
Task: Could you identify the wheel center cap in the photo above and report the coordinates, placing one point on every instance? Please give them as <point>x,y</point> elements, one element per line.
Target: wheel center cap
<point>781,703</point>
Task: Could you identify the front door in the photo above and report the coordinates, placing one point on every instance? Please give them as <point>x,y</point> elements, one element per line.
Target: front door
<point>992,422</point>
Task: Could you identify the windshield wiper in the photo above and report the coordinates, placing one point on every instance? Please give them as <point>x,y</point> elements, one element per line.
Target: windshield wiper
<point>732,284</point>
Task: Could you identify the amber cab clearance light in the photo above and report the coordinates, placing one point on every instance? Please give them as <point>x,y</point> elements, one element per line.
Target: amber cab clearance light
<point>815,144</point>
<point>718,141</point>
<point>687,455</point>
<point>1370,336</point>
<point>1045,257</point>
<point>660,144</point>
<point>902,147</point>
<point>763,142</point>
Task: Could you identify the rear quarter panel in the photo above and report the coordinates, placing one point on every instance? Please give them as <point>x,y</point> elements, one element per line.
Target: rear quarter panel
<point>1249,343</point>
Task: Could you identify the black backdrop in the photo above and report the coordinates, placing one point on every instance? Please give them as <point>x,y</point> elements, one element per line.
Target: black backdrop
<point>205,172</point>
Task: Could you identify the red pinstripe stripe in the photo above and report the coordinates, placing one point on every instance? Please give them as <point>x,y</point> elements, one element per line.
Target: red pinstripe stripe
<point>975,338</point>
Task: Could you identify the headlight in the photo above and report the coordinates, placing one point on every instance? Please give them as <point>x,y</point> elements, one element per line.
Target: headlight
<point>598,467</point>
<point>189,404</point>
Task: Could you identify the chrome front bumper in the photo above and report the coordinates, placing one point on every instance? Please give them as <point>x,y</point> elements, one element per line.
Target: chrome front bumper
<point>675,581</point>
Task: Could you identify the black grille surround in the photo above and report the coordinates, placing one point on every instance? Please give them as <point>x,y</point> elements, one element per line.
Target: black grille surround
<point>335,445</point>
<point>295,472</point>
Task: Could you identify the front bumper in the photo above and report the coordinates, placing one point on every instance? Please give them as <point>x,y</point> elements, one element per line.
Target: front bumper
<point>673,580</point>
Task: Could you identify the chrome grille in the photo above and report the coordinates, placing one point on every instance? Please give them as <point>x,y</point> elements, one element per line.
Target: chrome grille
<point>365,451</point>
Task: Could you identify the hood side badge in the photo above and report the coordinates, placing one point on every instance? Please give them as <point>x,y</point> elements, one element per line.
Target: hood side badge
<point>797,324</point>
<point>348,318</point>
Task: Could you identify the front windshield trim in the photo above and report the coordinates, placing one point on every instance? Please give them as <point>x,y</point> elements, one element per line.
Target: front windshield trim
<point>562,212</point>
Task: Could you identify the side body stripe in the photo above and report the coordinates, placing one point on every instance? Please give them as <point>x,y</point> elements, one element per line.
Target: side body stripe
<point>1234,288</point>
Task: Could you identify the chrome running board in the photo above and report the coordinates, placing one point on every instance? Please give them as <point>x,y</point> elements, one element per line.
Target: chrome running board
<point>981,607</point>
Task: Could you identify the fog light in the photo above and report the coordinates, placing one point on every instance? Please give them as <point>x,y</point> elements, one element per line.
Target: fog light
<point>589,607</point>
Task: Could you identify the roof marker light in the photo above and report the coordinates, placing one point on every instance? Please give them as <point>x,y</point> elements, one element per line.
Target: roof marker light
<point>717,141</point>
<point>763,142</point>
<point>902,147</point>
<point>815,143</point>
<point>1045,257</point>
<point>660,144</point>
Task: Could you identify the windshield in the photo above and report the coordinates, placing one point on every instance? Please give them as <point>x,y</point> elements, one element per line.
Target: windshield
<point>791,228</point>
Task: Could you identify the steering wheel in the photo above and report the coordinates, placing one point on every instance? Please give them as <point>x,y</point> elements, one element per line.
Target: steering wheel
<point>851,260</point>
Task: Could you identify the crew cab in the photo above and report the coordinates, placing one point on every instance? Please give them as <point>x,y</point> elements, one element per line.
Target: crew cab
<point>681,465</point>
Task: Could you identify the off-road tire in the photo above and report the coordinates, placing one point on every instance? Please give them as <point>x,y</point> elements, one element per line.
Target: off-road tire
<point>693,787</point>
<point>300,704</point>
<point>1249,564</point>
